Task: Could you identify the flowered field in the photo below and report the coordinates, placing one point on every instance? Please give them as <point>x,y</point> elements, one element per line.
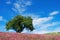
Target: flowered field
<point>21,36</point>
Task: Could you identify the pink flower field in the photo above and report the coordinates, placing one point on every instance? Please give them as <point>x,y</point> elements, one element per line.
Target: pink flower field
<point>22,36</point>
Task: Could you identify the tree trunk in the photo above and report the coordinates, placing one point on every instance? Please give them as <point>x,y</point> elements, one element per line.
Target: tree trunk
<point>18,31</point>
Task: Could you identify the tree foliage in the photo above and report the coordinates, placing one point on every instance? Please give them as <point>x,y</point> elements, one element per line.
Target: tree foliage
<point>18,23</point>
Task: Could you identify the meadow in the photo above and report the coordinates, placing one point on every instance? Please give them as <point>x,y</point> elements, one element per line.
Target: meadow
<point>23,36</point>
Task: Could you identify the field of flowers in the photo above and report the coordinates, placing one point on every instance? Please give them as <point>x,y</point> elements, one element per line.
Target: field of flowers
<point>21,36</point>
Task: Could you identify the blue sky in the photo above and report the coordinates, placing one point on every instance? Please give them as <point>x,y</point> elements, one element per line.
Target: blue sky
<point>45,14</point>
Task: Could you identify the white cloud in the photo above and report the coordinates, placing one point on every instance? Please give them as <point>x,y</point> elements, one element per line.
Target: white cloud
<point>40,32</point>
<point>39,21</point>
<point>54,13</point>
<point>43,28</point>
<point>21,6</point>
<point>18,8</point>
<point>2,28</point>
<point>1,18</point>
<point>15,10</point>
<point>28,3</point>
<point>57,29</point>
<point>16,5</point>
<point>31,15</point>
<point>25,31</point>
<point>43,24</point>
<point>8,2</point>
<point>11,30</point>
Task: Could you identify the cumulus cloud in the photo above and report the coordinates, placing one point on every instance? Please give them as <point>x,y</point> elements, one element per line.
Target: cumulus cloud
<point>46,25</point>
<point>39,21</point>
<point>54,13</point>
<point>43,28</point>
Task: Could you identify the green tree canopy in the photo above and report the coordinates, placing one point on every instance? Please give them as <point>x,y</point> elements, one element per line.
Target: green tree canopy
<point>18,23</point>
